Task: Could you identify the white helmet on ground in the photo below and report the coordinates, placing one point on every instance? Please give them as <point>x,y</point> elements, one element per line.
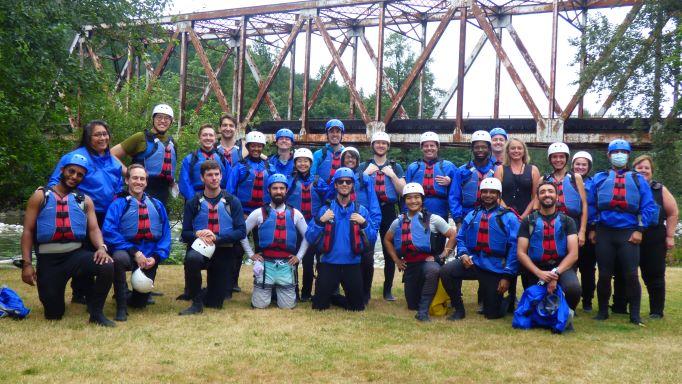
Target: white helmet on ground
<point>255,137</point>
<point>163,108</point>
<point>558,148</point>
<point>303,152</point>
<point>351,149</point>
<point>481,136</point>
<point>204,249</point>
<point>380,136</point>
<point>413,188</point>
<point>141,282</point>
<point>584,155</point>
<point>429,136</point>
<point>491,183</point>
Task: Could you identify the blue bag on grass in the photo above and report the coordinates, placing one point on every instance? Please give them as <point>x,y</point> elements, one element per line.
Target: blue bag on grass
<point>11,304</point>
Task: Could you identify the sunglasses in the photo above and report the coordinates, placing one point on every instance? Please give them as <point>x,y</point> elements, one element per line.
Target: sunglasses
<point>344,181</point>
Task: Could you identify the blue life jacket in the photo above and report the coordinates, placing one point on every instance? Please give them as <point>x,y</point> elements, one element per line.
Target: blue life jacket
<point>152,157</point>
<point>267,241</point>
<point>572,203</point>
<point>286,169</point>
<point>605,193</point>
<point>198,158</point>
<point>437,204</point>
<point>535,247</point>
<point>470,181</point>
<point>424,241</point>
<point>294,197</point>
<point>591,207</point>
<point>245,186</point>
<point>531,314</point>
<point>224,214</point>
<point>235,153</point>
<point>130,219</point>
<point>46,222</point>
<point>497,232</point>
<point>325,167</point>
<point>389,188</point>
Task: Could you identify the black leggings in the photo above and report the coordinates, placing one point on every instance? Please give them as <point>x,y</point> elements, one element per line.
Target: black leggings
<point>421,283</point>
<point>388,214</point>
<point>309,271</point>
<point>613,249</point>
<point>124,262</point>
<point>218,275</point>
<point>367,267</point>
<point>587,261</point>
<point>54,270</point>
<point>328,278</point>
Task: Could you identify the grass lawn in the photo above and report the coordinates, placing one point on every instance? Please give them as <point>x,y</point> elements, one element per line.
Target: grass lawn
<point>382,344</point>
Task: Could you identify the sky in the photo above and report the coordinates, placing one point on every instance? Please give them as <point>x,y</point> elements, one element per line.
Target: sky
<point>534,30</point>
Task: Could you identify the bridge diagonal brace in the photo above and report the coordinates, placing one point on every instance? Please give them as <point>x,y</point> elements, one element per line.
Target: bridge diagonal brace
<point>212,79</point>
<point>259,80</point>
<point>164,59</point>
<point>327,74</point>
<point>218,70</point>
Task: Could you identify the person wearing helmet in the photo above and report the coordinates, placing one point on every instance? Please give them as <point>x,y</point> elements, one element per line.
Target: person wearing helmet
<point>216,217</point>
<point>328,159</point>
<point>275,263</point>
<point>283,161</point>
<point>101,183</point>
<point>498,137</point>
<point>486,251</point>
<point>409,241</point>
<point>656,241</point>
<point>342,231</point>
<point>190,178</point>
<point>306,193</point>
<point>625,207</point>
<point>434,174</point>
<point>56,222</point>
<point>548,246</point>
<point>587,260</point>
<point>137,232</point>
<point>389,179</point>
<point>466,193</point>
<point>155,149</point>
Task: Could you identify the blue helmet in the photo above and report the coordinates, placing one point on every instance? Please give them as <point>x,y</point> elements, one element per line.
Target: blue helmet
<point>285,132</point>
<point>334,123</point>
<point>619,144</point>
<point>498,131</point>
<point>343,172</point>
<point>277,178</point>
<point>548,306</point>
<point>78,159</point>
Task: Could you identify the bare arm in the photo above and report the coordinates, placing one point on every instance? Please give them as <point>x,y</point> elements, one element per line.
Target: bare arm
<point>499,174</point>
<point>583,215</point>
<point>451,234</point>
<point>534,203</point>
<point>671,217</point>
<point>28,274</point>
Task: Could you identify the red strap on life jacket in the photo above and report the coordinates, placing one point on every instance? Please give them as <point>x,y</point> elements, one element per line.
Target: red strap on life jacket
<point>328,237</point>
<point>257,190</point>
<point>428,181</point>
<point>561,198</point>
<point>306,201</point>
<point>213,222</point>
<point>483,236</point>
<point>278,248</point>
<point>144,228</point>
<point>63,230</point>
<point>356,240</point>
<point>380,186</point>
<point>619,193</point>
<point>336,164</point>
<point>407,248</point>
<point>227,154</point>
<point>481,176</point>
<point>167,167</point>
<point>548,242</point>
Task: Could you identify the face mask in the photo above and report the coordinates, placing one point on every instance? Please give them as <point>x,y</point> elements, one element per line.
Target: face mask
<point>619,159</point>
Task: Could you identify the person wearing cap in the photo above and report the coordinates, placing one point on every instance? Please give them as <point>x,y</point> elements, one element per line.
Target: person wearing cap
<point>306,192</point>
<point>278,253</point>
<point>214,218</point>
<point>434,174</point>
<point>155,149</point>
<point>283,161</point>
<point>137,232</point>
<point>409,243</point>
<point>465,195</point>
<point>56,222</point>
<point>342,231</point>
<point>625,208</point>
<point>498,138</point>
<point>587,259</point>
<point>486,251</point>
<point>190,175</point>
<point>548,246</point>
<point>389,180</point>
<point>327,159</point>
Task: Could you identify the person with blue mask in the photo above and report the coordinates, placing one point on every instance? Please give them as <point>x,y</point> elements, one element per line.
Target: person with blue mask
<point>190,171</point>
<point>283,161</point>
<point>498,137</point>
<point>625,208</point>
<point>327,159</point>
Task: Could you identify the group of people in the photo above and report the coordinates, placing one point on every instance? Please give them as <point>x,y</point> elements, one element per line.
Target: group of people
<point>326,210</point>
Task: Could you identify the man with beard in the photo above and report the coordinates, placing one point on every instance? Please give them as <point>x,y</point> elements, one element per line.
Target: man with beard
<point>216,218</point>
<point>548,246</point>
<point>498,137</point>
<point>155,150</point>
<point>328,159</point>
<point>466,193</point>
<point>277,258</point>
<point>57,221</point>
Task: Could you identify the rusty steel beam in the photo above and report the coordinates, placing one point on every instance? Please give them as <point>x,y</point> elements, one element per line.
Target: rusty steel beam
<point>498,72</point>
<point>306,77</point>
<point>552,65</point>
<point>420,96</point>
<point>182,99</point>
<point>583,59</point>
<point>240,78</point>
<point>327,74</point>
<point>531,65</point>
<point>121,76</point>
<point>379,62</point>
<point>263,89</point>
<point>217,72</point>
<point>259,80</point>
<point>488,29</point>
<point>354,71</point>
<point>387,81</point>
<point>419,65</point>
<point>355,96</point>
<point>164,59</point>
<point>459,126</point>
<point>595,67</point>
<point>292,82</point>
<point>212,79</point>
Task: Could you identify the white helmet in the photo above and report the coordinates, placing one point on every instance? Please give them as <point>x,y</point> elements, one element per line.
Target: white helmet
<point>481,136</point>
<point>429,136</point>
<point>491,183</point>
<point>351,149</point>
<point>200,246</point>
<point>380,136</point>
<point>163,108</point>
<point>141,282</point>
<point>413,188</point>
<point>558,148</point>
<point>303,152</point>
<point>584,155</point>
<point>255,137</point>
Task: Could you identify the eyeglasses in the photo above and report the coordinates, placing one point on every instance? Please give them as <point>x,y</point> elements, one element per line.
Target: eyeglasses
<point>100,134</point>
<point>344,181</point>
<point>163,118</point>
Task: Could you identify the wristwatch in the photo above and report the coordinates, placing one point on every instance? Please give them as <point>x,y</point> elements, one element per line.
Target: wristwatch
<point>556,271</point>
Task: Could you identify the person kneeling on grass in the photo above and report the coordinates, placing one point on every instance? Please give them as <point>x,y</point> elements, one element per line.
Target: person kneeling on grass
<point>276,261</point>
<point>136,229</point>
<point>415,243</point>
